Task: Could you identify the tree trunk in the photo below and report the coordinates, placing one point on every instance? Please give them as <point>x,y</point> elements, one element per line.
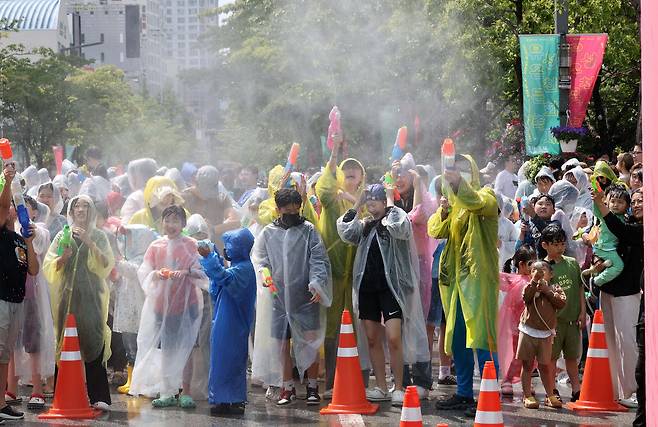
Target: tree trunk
<point>518,13</point>
<point>601,119</point>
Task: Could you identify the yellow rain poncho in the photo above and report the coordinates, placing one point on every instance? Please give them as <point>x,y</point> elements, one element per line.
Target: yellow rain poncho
<point>144,216</point>
<point>469,263</point>
<point>267,209</point>
<point>80,288</point>
<point>603,169</point>
<point>341,254</point>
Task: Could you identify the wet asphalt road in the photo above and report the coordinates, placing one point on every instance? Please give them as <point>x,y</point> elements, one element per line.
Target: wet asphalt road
<point>137,411</point>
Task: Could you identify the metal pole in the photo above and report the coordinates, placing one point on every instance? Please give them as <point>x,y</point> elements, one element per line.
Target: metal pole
<point>562,28</point>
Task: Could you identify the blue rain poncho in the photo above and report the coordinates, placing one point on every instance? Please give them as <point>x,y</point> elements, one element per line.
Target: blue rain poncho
<point>233,291</point>
<point>398,252</point>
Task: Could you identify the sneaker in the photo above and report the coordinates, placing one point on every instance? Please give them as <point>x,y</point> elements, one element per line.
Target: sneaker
<point>531,403</point>
<point>9,413</point>
<point>312,396</point>
<point>631,402</point>
<point>236,408</point>
<point>553,402</point>
<point>272,392</point>
<point>397,398</point>
<point>470,412</point>
<point>455,402</point>
<point>328,394</point>
<point>506,389</point>
<point>228,409</point>
<point>575,396</point>
<point>423,393</point>
<point>287,397</point>
<point>377,395</point>
<point>36,402</point>
<point>447,380</point>
<point>12,399</point>
<point>102,406</point>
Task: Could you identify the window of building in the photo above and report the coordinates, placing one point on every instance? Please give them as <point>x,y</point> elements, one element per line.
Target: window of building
<point>102,38</point>
<point>102,57</point>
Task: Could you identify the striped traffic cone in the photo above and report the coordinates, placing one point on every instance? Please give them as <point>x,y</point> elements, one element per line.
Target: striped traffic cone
<point>411,415</point>
<point>71,399</point>
<point>596,390</point>
<point>349,393</point>
<point>489,412</point>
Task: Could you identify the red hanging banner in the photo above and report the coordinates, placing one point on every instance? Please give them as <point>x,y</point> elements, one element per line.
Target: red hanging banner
<point>586,58</point>
<point>58,153</point>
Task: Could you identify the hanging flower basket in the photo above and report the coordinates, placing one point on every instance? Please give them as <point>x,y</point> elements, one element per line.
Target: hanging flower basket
<point>569,137</point>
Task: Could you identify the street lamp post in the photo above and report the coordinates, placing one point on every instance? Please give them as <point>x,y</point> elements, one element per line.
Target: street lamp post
<point>564,82</point>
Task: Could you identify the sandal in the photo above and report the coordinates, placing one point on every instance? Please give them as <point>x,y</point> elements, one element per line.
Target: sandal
<point>186,402</point>
<point>11,399</point>
<point>37,401</point>
<point>164,402</point>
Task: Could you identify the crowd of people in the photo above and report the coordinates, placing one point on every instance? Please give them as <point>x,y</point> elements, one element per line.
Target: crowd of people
<point>194,282</point>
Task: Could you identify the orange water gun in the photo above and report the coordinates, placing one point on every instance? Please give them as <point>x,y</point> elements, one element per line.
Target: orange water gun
<point>268,282</point>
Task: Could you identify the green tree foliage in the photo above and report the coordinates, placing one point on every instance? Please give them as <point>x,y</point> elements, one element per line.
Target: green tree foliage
<point>283,64</point>
<point>52,102</point>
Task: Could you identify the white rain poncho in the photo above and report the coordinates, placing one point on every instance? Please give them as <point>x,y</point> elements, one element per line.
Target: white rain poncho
<point>97,188</point>
<point>31,176</point>
<point>37,337</point>
<point>80,287</point>
<point>171,316</point>
<point>298,262</point>
<point>175,175</point>
<point>139,172</point>
<point>198,229</point>
<point>525,186</point>
<point>73,183</point>
<point>580,248</point>
<point>67,166</point>
<point>582,184</point>
<point>507,232</point>
<point>129,296</point>
<point>565,196</point>
<point>43,175</point>
<point>55,221</point>
<point>121,184</point>
<point>400,261</point>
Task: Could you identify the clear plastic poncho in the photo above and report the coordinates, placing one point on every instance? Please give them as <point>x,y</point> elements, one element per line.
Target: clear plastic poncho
<point>139,172</point>
<point>171,316</point>
<point>298,262</point>
<point>129,296</point>
<point>37,337</point>
<point>150,195</point>
<point>121,184</point>
<point>31,176</point>
<point>97,188</point>
<point>175,175</point>
<point>582,184</point>
<point>55,221</point>
<point>402,275</point>
<point>80,287</point>
<point>44,175</point>
<point>508,234</point>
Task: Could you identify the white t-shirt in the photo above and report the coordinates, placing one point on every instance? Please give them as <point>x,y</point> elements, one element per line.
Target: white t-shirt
<point>506,184</point>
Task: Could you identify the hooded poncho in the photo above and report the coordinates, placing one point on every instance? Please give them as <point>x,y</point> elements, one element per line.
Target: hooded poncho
<point>468,269</point>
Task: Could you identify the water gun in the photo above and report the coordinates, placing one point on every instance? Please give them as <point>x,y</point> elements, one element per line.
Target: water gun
<point>64,241</point>
<point>389,182</point>
<point>7,157</point>
<point>448,154</point>
<point>166,273</point>
<point>595,185</point>
<point>292,157</point>
<point>21,209</point>
<point>315,202</point>
<point>204,244</point>
<point>268,282</point>
<point>400,144</point>
<point>334,126</point>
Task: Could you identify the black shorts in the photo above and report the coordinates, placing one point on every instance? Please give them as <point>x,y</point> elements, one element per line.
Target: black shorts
<point>305,317</point>
<point>375,305</point>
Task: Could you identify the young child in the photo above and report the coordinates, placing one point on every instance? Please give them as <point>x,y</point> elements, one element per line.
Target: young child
<point>618,201</point>
<point>172,279</point>
<point>233,291</point>
<point>515,275</point>
<point>133,241</point>
<point>294,253</point>
<point>385,244</point>
<point>536,331</point>
<point>571,318</point>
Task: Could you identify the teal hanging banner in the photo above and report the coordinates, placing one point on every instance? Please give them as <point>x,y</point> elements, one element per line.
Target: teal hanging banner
<point>541,96</point>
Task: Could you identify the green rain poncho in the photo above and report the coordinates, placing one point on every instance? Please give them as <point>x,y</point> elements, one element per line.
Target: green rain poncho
<point>341,254</point>
<point>469,262</point>
<point>603,169</point>
<point>80,288</point>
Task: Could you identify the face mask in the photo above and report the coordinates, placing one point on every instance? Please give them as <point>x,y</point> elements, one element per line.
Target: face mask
<point>466,176</point>
<point>290,220</point>
<point>226,256</point>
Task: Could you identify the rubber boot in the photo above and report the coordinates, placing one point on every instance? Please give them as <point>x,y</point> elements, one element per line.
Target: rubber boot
<point>124,389</point>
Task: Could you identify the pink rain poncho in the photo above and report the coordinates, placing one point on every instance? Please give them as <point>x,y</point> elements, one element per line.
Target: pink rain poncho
<point>509,315</point>
<point>171,316</point>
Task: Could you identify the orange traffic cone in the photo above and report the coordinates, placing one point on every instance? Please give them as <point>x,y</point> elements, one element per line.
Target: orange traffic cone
<point>71,399</point>
<point>411,415</point>
<point>489,411</point>
<point>349,393</point>
<point>596,391</point>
